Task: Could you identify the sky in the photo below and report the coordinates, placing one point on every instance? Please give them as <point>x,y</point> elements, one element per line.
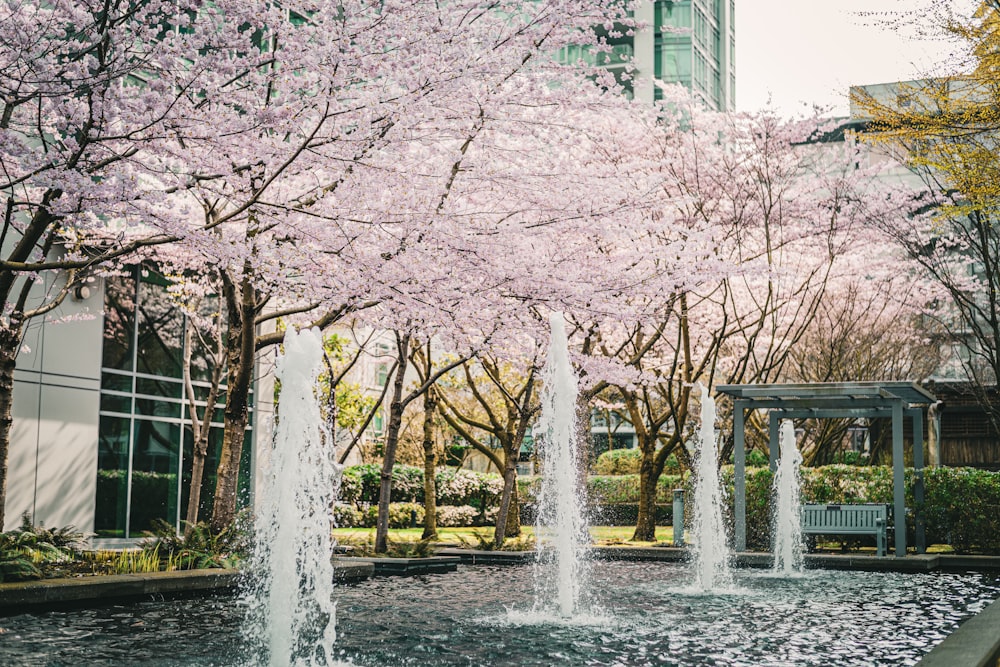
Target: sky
<point>799,53</point>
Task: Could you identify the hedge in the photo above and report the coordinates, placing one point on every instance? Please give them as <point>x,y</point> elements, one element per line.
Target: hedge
<point>360,485</point>
<point>401,515</point>
<point>627,461</point>
<point>961,505</point>
<point>607,489</point>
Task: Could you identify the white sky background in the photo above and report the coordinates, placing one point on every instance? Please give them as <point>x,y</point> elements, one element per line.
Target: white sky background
<point>801,53</point>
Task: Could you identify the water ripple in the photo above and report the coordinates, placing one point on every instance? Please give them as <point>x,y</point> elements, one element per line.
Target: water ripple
<point>643,614</point>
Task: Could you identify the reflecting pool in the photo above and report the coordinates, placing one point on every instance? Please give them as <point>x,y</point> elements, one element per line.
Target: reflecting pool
<point>638,614</point>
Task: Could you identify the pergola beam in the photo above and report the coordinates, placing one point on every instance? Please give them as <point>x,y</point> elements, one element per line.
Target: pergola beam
<point>831,403</point>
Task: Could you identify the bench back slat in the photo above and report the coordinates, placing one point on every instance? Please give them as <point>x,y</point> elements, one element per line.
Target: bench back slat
<point>865,518</point>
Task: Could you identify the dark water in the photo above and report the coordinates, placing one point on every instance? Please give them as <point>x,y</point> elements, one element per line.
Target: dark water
<point>642,614</point>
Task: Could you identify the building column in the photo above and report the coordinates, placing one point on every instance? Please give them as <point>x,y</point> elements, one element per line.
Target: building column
<point>644,52</point>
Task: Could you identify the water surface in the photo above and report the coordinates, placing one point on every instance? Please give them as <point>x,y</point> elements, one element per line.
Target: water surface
<point>638,614</point>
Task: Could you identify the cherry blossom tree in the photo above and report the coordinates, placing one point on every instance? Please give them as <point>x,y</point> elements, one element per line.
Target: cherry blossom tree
<point>755,215</point>
<point>86,90</point>
<point>329,144</point>
<point>868,328</point>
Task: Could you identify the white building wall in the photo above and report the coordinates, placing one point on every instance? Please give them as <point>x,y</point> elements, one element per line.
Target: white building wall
<point>52,464</point>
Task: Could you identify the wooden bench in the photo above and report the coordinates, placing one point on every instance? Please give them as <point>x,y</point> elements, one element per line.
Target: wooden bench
<point>870,519</point>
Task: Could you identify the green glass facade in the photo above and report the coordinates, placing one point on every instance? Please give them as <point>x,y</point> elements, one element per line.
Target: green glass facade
<point>694,44</point>
<point>691,42</point>
<point>145,438</point>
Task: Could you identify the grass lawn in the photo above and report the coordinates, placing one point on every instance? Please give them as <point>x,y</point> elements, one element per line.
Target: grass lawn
<point>599,534</point>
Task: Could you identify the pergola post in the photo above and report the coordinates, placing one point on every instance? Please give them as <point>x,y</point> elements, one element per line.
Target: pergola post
<point>774,452</point>
<point>899,503</point>
<point>920,524</point>
<point>739,477</point>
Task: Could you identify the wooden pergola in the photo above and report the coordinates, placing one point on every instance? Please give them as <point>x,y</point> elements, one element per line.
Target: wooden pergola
<point>835,400</point>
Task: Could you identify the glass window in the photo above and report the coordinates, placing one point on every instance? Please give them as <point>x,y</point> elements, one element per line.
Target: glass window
<point>144,465</point>
<point>157,387</point>
<point>700,27</point>
<point>119,322</point>
<point>673,14</point>
<point>155,463</point>
<point>116,382</point>
<point>161,326</point>
<point>673,62</point>
<point>154,408</point>
<point>381,375</point>
<point>112,477</point>
<point>116,403</point>
<point>700,74</point>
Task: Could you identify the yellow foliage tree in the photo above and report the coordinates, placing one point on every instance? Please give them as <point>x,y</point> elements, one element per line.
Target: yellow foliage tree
<point>947,131</point>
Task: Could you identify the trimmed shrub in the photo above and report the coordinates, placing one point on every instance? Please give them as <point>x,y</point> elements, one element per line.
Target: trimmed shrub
<point>618,462</point>
<point>962,508</point>
<point>407,484</point>
<point>360,485</point>
<point>961,505</point>
<point>400,515</point>
<point>347,516</point>
<point>607,489</point>
<point>460,516</point>
<point>627,461</point>
<point>457,486</point>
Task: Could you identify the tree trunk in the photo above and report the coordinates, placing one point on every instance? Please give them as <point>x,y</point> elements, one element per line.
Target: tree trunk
<point>645,525</point>
<point>391,442</point>
<point>240,341</point>
<point>199,452</point>
<point>514,512</point>
<point>508,500</point>
<point>430,464</point>
<point>10,337</point>
<point>200,425</point>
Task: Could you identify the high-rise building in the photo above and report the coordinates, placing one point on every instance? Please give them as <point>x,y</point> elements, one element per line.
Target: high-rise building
<point>691,42</point>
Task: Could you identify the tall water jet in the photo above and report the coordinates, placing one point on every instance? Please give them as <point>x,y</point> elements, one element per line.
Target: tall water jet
<point>562,534</point>
<point>291,612</point>
<point>787,524</point>
<point>711,554</point>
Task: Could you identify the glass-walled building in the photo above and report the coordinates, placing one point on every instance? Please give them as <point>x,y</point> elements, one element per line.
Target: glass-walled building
<point>145,438</point>
<point>691,42</point>
<point>102,436</point>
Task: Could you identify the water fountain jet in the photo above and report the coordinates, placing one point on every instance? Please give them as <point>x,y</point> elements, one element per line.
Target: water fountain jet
<point>787,524</point>
<point>291,612</point>
<point>710,553</point>
<point>562,533</point>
